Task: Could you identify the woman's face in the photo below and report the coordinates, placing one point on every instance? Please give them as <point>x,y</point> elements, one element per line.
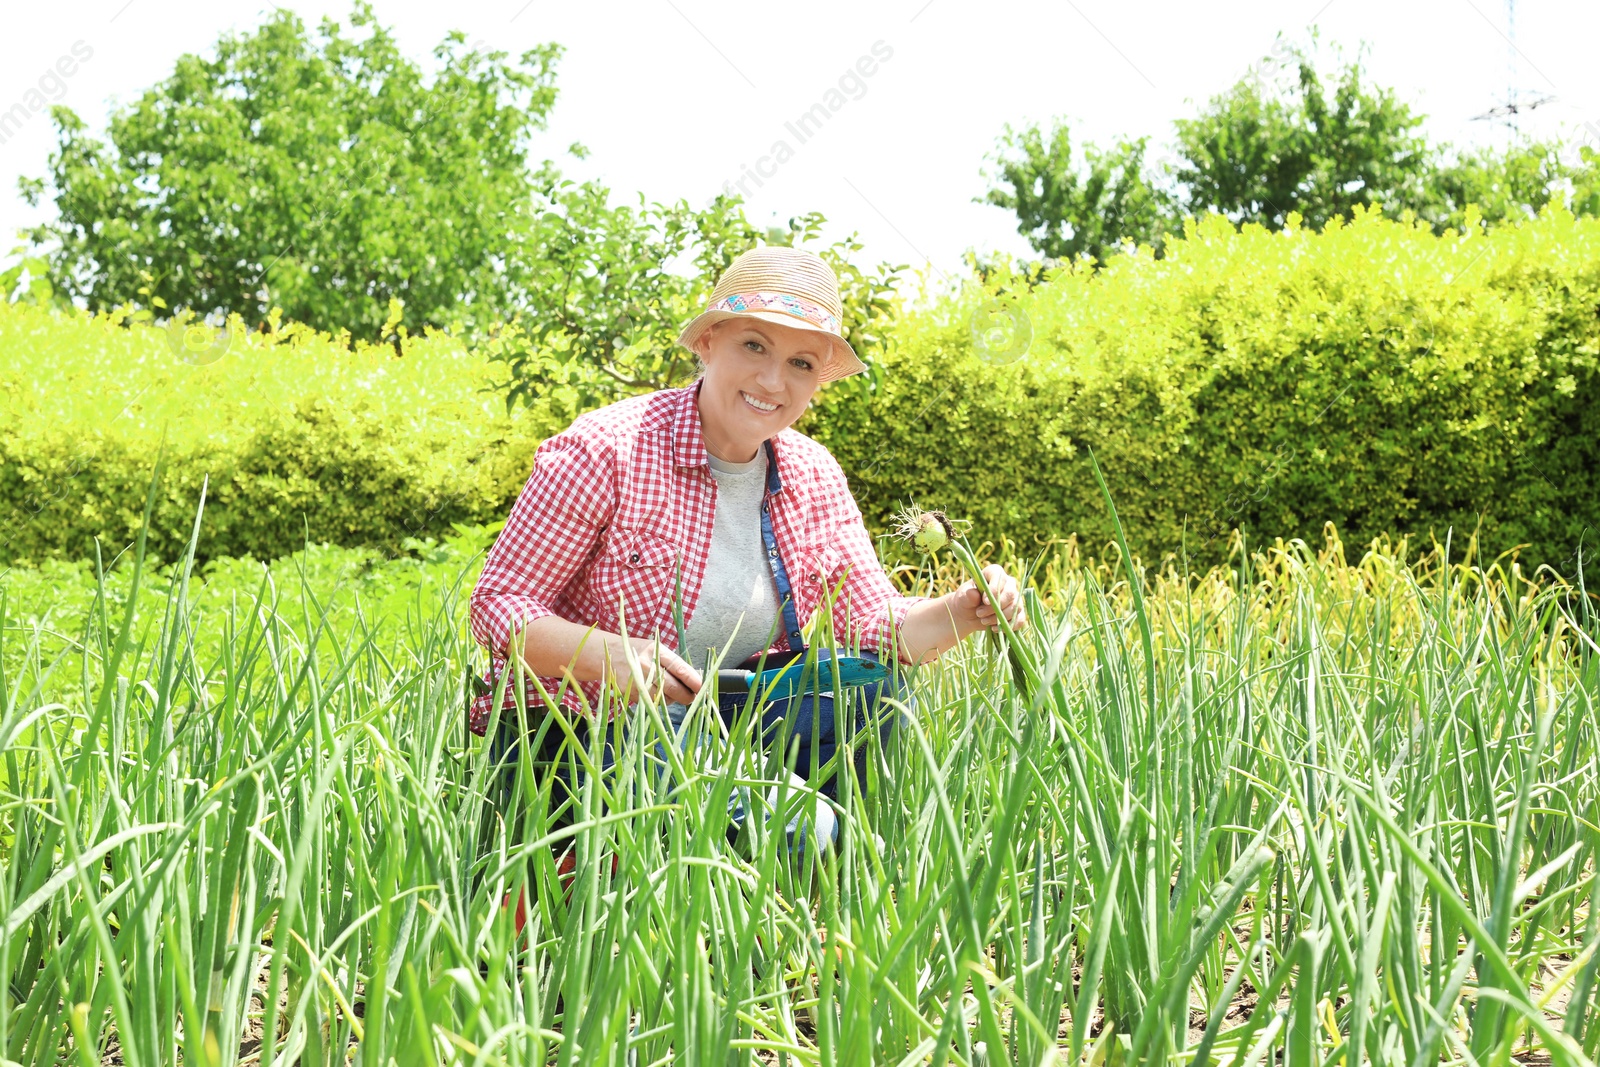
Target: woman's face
<point>759,377</point>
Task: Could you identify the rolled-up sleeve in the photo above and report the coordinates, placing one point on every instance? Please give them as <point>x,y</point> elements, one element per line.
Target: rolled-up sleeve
<point>868,608</point>
<point>547,539</point>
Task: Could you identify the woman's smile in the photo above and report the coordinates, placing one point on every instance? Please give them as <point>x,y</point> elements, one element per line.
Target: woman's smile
<point>766,407</point>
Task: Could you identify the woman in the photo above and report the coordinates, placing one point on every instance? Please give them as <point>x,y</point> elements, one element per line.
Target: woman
<point>704,497</point>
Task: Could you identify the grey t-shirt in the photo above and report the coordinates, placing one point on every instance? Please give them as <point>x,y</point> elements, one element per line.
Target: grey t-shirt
<point>737,598</point>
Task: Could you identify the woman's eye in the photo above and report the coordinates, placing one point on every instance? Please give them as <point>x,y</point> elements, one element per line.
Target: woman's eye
<point>801,363</point>
<point>754,346</point>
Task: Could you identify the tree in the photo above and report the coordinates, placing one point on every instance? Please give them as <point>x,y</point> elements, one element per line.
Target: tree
<point>1509,185</point>
<point>1260,151</point>
<point>321,176</point>
<point>1276,143</point>
<point>1067,210</point>
<point>327,179</point>
<point>603,310</point>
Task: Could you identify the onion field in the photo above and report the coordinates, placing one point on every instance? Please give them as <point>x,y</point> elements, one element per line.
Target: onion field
<point>1313,810</point>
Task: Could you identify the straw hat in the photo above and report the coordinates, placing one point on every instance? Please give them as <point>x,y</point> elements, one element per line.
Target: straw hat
<point>787,286</point>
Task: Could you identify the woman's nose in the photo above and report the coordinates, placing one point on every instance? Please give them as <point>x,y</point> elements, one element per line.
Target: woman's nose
<point>770,376</point>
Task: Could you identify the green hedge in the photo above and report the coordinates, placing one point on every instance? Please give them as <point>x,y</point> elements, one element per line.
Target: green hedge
<point>297,434</point>
<point>1372,375</point>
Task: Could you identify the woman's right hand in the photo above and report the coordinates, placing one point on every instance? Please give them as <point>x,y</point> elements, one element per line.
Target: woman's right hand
<point>665,673</point>
<point>554,647</point>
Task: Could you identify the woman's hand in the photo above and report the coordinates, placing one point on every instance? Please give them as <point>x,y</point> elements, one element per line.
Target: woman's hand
<point>555,647</point>
<point>665,673</point>
<point>936,625</point>
<point>980,606</point>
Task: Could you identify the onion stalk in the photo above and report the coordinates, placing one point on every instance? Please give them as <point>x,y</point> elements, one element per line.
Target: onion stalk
<point>1341,812</point>
<point>932,531</point>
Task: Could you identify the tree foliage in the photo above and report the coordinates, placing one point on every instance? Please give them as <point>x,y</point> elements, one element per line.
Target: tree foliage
<point>323,175</point>
<point>1284,140</point>
<point>1065,209</point>
<point>607,306</point>
<point>1258,152</point>
<point>1509,185</point>
<point>325,180</point>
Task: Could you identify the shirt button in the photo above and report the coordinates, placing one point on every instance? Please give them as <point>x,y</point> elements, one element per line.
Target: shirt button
<point>633,557</point>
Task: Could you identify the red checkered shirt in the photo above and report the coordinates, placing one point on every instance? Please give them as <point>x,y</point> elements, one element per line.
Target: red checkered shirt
<point>622,498</point>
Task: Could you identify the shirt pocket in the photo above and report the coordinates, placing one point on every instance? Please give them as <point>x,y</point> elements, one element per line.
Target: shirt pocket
<point>817,572</point>
<point>631,577</point>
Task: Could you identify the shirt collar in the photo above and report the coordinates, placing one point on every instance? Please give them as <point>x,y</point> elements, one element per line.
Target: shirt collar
<point>689,439</point>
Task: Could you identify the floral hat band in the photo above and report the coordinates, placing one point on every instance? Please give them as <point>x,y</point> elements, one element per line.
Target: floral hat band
<point>789,287</point>
<point>778,302</point>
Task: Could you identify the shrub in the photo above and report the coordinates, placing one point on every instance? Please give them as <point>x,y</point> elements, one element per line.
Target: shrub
<point>298,434</point>
<point>1374,375</point>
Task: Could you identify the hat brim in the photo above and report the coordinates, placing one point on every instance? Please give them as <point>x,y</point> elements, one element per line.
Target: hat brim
<point>844,362</point>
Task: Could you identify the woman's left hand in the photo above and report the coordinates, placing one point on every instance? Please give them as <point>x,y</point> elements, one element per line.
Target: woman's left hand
<point>1002,590</point>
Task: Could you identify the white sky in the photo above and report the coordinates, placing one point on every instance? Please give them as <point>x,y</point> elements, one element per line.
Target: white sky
<point>676,97</point>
